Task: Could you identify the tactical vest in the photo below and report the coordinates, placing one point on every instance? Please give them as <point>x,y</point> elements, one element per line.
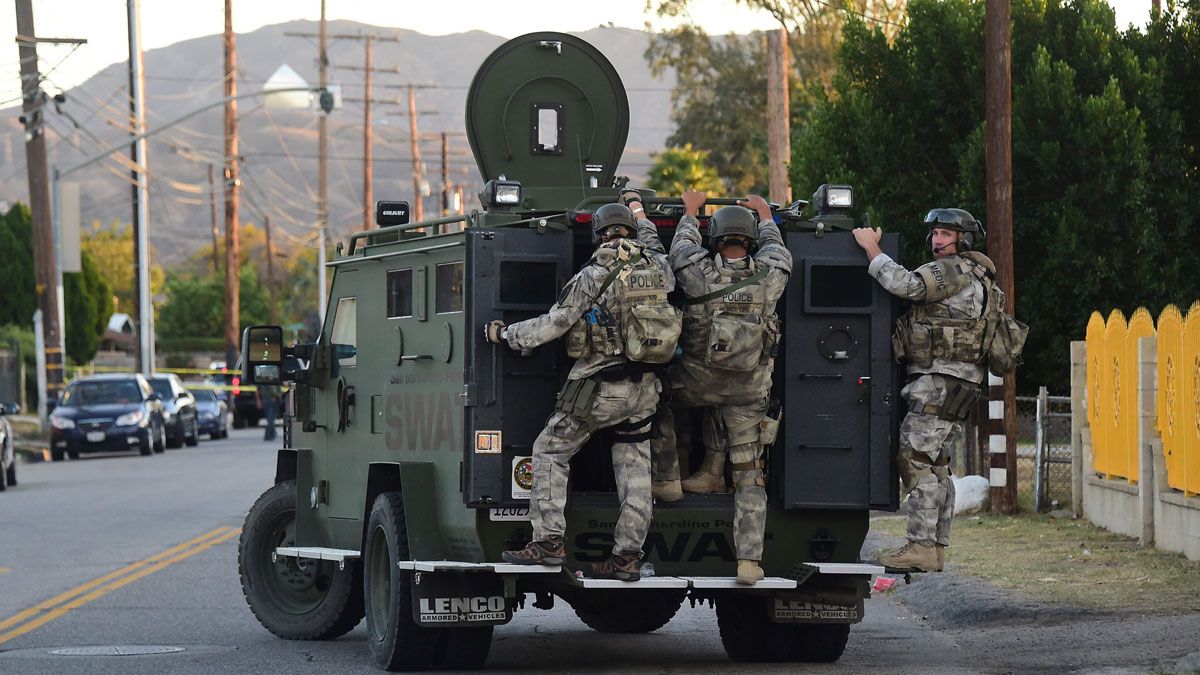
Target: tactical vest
<point>927,332</point>
<point>635,320</point>
<point>732,329</point>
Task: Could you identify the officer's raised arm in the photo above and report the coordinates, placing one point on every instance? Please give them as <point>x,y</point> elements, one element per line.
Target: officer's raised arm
<point>771,249</point>
<point>647,231</point>
<point>573,302</point>
<point>688,255</point>
<point>891,275</point>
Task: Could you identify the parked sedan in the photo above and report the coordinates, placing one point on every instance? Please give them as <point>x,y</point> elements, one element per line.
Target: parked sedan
<point>212,412</point>
<point>179,410</point>
<point>8,456</point>
<point>104,413</point>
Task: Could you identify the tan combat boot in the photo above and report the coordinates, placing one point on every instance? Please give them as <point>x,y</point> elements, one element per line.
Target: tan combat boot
<point>941,553</point>
<point>667,490</point>
<point>912,557</point>
<point>749,573</point>
<point>710,477</point>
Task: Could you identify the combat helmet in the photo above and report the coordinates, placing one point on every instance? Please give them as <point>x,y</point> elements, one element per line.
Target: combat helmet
<point>609,215</point>
<point>972,231</point>
<point>730,221</point>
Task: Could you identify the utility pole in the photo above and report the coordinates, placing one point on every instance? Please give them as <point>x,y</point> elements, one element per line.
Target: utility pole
<point>322,169</point>
<point>998,66</point>
<point>232,283</point>
<point>779,145</point>
<point>445,174</point>
<point>212,210</point>
<point>141,192</point>
<point>367,192</point>
<point>418,209</point>
<point>45,261</point>
<point>368,133</point>
<point>270,268</point>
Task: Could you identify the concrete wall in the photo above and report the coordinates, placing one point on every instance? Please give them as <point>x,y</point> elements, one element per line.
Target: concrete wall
<point>1110,503</point>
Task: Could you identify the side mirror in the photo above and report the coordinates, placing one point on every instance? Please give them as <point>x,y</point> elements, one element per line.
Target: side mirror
<point>262,355</point>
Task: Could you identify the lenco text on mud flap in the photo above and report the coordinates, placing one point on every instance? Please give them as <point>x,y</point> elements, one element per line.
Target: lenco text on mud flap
<point>786,610</point>
<point>459,599</point>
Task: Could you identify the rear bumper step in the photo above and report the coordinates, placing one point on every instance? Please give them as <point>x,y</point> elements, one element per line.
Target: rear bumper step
<point>340,556</point>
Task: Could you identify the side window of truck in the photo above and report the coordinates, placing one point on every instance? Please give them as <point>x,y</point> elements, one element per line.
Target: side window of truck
<point>448,294</point>
<point>345,331</point>
<point>399,294</point>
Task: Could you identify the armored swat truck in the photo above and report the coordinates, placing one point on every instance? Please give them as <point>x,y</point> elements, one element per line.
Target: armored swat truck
<point>406,470</point>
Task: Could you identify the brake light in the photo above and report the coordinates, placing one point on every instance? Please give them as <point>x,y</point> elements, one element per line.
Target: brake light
<point>236,381</point>
<point>583,217</point>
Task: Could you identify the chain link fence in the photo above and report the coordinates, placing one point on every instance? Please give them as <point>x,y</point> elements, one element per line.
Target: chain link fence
<point>1043,470</point>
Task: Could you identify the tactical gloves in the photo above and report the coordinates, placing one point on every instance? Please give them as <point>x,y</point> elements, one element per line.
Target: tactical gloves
<point>493,331</point>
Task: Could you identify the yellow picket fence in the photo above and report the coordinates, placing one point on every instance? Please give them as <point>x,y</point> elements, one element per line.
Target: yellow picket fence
<point>1112,383</point>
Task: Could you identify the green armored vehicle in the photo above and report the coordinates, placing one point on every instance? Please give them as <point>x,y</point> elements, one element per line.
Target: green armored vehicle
<point>406,467</point>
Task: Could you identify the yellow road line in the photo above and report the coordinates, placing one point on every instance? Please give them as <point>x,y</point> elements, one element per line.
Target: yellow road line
<point>101,586</point>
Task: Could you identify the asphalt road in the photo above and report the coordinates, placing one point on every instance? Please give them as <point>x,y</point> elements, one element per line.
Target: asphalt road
<point>122,552</point>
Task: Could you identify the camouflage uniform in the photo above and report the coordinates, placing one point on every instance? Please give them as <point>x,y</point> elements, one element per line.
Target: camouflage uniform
<point>628,404</point>
<point>925,437</point>
<point>738,397</point>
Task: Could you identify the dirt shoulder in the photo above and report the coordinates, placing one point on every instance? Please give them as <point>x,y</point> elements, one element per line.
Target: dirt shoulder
<point>1032,592</point>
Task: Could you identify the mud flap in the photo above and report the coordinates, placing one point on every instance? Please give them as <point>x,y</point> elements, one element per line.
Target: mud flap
<point>459,599</point>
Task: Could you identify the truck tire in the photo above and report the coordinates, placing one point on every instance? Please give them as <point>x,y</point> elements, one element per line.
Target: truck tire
<point>820,642</point>
<point>238,422</point>
<point>397,642</point>
<point>749,634</point>
<point>294,599</point>
<point>624,611</point>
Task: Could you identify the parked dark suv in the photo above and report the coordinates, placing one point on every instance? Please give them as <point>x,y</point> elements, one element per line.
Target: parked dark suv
<point>179,410</point>
<point>104,413</point>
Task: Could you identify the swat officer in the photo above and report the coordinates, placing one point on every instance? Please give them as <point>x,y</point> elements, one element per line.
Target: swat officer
<point>607,387</point>
<point>730,331</point>
<point>942,342</point>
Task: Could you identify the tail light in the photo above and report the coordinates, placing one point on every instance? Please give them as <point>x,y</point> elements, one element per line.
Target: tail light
<point>236,381</point>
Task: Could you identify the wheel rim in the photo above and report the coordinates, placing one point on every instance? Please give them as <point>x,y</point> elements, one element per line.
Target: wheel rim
<point>379,584</point>
<point>295,585</point>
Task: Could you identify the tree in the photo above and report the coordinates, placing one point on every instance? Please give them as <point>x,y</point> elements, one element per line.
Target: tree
<point>195,305</point>
<point>86,296</point>
<point>88,303</point>
<point>719,101</point>
<point>111,249</point>
<point>18,300</point>
<point>1100,179</point>
<point>676,170</point>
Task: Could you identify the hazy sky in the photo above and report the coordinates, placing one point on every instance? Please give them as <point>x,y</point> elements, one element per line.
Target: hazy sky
<point>103,23</point>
